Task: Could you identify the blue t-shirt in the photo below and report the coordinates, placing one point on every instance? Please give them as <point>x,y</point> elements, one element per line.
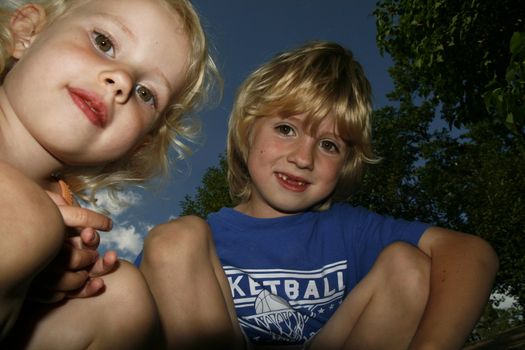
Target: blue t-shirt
<point>289,274</point>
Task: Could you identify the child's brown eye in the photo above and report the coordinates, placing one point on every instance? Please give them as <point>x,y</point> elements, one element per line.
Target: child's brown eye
<point>285,130</point>
<point>329,146</point>
<point>103,43</point>
<point>145,94</point>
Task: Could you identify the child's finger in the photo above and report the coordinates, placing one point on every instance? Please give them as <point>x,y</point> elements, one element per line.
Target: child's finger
<point>93,287</point>
<point>67,281</point>
<point>105,265</point>
<point>89,238</point>
<point>57,199</point>
<point>82,217</point>
<point>72,257</point>
<point>54,284</point>
<point>74,241</point>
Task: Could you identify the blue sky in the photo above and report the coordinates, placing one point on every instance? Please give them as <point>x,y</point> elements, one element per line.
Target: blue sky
<point>245,34</point>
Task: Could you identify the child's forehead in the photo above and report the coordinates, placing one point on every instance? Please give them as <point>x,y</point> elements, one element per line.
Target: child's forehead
<point>130,10</point>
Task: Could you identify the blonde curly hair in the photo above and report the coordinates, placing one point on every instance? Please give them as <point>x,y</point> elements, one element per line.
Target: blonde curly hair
<point>178,124</point>
<point>320,79</point>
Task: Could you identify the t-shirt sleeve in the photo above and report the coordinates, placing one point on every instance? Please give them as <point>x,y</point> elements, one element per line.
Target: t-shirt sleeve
<point>138,259</point>
<point>368,233</point>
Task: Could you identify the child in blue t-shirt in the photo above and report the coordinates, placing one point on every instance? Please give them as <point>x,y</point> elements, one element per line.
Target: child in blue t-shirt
<point>288,265</point>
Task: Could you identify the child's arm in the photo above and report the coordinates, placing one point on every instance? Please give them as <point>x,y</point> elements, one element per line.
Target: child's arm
<point>463,268</point>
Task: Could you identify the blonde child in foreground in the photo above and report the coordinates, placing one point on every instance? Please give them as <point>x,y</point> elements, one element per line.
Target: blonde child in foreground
<point>304,270</point>
<point>93,92</point>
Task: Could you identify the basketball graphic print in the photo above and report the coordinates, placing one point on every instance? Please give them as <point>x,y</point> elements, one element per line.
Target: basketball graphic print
<point>267,302</point>
<point>280,306</point>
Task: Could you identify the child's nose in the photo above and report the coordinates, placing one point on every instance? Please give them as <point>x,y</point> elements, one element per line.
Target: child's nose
<point>303,155</point>
<point>119,83</point>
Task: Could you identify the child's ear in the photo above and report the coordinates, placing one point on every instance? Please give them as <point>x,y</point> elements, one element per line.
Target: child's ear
<point>25,24</point>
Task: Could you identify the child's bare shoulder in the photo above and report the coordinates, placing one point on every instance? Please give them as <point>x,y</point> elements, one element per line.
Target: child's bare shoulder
<point>19,191</point>
<point>11,176</point>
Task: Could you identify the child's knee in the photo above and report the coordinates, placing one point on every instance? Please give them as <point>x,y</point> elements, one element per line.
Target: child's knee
<point>127,287</point>
<point>128,307</point>
<point>178,239</point>
<point>124,316</point>
<point>407,269</point>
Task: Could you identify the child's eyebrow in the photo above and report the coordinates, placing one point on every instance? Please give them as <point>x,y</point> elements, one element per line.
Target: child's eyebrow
<point>331,133</point>
<point>163,78</point>
<point>120,23</point>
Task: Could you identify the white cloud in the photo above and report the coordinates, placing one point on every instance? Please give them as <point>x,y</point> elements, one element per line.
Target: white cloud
<point>116,207</point>
<point>126,240</point>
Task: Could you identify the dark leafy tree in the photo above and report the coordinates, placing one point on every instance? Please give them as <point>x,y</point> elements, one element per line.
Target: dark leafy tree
<point>507,99</point>
<point>212,195</point>
<point>447,52</point>
<point>462,62</point>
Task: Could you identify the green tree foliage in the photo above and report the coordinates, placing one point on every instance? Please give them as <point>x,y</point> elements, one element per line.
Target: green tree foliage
<point>494,322</point>
<point>461,64</point>
<point>507,100</point>
<point>448,51</point>
<point>212,195</point>
<point>392,186</point>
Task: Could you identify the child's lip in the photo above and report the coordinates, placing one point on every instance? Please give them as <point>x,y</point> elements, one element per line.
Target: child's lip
<point>291,182</point>
<point>91,105</point>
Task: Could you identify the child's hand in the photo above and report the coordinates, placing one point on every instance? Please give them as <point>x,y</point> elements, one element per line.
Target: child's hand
<point>74,271</point>
<point>90,239</point>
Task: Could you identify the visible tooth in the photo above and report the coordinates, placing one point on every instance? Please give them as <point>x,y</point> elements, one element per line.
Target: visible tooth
<point>285,178</point>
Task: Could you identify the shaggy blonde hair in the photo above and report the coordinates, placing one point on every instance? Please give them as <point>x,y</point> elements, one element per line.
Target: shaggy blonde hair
<point>320,79</point>
<point>178,125</point>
